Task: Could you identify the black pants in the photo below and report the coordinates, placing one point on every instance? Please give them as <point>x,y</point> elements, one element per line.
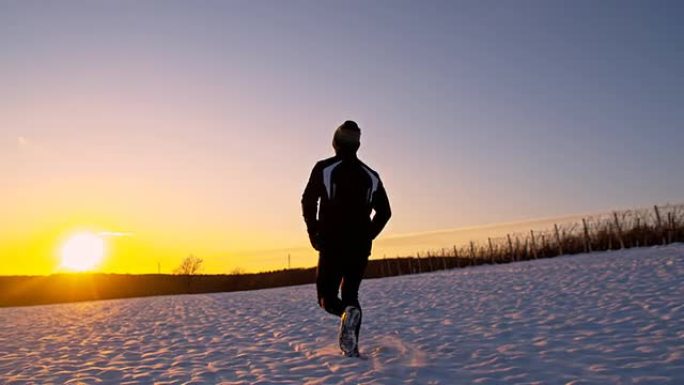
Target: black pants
<point>339,272</point>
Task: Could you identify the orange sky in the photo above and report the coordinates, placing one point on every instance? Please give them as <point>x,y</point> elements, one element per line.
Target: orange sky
<point>180,128</point>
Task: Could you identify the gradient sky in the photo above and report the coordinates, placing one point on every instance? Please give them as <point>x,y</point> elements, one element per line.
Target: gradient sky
<point>191,127</point>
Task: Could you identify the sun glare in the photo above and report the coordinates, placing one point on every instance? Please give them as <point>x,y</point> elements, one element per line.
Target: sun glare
<point>82,252</point>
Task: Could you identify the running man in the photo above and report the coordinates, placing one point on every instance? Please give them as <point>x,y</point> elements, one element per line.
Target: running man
<point>337,204</point>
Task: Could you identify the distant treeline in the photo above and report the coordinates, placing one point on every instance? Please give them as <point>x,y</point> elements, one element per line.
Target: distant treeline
<point>19,291</point>
<point>633,228</point>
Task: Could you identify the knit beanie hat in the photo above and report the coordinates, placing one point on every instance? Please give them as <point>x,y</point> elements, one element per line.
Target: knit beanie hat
<point>347,137</point>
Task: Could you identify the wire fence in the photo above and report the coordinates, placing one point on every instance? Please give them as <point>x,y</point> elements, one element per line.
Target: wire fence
<point>659,225</point>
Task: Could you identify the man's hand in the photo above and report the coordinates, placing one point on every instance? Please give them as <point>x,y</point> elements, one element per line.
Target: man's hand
<point>315,241</point>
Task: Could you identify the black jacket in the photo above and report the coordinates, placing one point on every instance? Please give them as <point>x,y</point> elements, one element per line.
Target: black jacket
<point>337,204</point>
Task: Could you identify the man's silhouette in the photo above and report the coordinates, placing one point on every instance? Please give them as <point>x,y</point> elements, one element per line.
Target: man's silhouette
<point>337,204</point>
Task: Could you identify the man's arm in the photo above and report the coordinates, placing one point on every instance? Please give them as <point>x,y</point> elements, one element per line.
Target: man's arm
<point>382,211</point>
<point>310,198</point>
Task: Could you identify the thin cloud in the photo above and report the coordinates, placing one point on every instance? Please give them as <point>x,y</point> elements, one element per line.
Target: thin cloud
<point>28,145</point>
<point>115,234</point>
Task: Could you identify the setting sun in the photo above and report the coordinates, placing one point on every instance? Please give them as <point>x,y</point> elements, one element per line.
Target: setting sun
<point>82,252</point>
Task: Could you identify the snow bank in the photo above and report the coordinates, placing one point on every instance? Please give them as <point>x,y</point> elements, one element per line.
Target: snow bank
<point>602,318</point>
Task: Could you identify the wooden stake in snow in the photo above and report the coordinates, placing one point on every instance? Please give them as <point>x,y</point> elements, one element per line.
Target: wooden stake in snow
<point>472,251</point>
<point>670,227</point>
<point>587,241</point>
<point>511,257</point>
<point>635,240</point>
<point>659,223</point>
<point>558,240</point>
<point>618,228</point>
<point>456,256</point>
<point>491,249</point>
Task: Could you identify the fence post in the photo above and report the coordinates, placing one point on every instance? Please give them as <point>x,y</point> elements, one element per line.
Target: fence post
<point>510,247</point>
<point>558,240</point>
<point>456,256</point>
<point>638,230</point>
<point>676,227</point>
<point>657,213</point>
<point>533,244</point>
<point>659,224</point>
<point>491,250</point>
<point>670,226</point>
<point>587,241</point>
<point>472,252</point>
<point>619,230</point>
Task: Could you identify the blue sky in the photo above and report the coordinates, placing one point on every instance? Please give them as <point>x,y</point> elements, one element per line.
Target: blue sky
<point>473,112</point>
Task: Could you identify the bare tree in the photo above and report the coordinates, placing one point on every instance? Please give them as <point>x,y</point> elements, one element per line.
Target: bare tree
<point>191,265</point>
<point>237,271</point>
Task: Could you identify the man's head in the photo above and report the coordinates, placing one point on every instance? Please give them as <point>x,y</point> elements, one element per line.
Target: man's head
<point>347,138</point>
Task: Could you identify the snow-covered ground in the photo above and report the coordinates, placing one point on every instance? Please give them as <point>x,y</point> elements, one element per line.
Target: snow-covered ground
<point>602,318</point>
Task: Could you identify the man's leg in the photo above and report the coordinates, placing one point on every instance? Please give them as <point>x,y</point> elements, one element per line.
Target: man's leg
<point>351,281</point>
<point>328,278</point>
